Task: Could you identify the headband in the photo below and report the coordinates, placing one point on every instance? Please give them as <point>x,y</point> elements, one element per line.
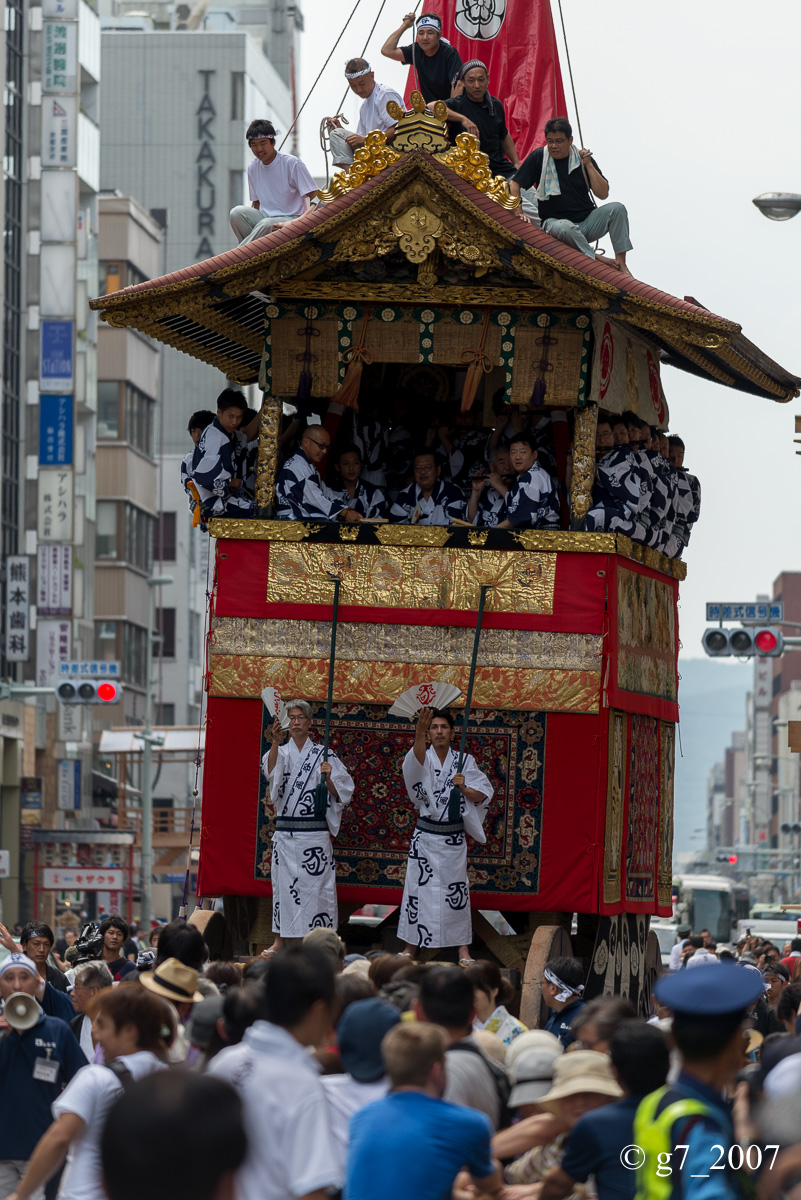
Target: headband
<point>430,23</point>
<point>566,991</point>
<point>468,66</point>
<point>358,74</point>
<point>261,136</point>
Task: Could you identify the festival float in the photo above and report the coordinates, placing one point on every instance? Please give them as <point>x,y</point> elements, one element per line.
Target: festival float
<point>418,273</point>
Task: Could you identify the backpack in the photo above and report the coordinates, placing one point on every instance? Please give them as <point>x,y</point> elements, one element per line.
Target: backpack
<point>123,1074</point>
<point>499,1077</point>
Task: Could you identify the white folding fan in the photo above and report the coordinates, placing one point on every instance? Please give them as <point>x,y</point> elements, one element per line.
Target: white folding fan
<point>275,706</point>
<point>436,694</point>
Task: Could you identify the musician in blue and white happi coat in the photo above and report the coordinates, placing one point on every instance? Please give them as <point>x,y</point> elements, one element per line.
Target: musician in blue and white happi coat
<point>362,497</point>
<point>300,493</point>
<point>303,871</point>
<point>489,488</point>
<point>616,491</point>
<point>220,460</point>
<point>532,501</point>
<point>435,910</point>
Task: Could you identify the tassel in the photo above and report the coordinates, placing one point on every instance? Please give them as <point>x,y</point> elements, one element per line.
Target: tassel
<point>538,391</point>
<point>454,806</point>
<point>356,357</point>
<point>479,364</point>
<point>306,359</point>
<point>321,800</point>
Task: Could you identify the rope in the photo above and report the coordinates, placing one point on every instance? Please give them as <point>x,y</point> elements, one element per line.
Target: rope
<point>317,80</point>
<point>570,73</point>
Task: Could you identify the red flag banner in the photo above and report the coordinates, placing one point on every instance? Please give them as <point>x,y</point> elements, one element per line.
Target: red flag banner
<point>516,41</point>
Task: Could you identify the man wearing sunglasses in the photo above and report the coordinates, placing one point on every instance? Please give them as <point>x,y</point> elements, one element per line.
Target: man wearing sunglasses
<point>300,493</point>
<point>565,180</point>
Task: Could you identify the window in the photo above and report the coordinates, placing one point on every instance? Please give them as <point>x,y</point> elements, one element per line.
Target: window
<point>166,626</point>
<point>164,541</point>
<point>138,538</point>
<point>106,539</point>
<point>194,636</point>
<point>165,716</point>
<point>236,188</point>
<point>139,420</point>
<point>237,97</point>
<point>108,409</point>
<point>134,654</point>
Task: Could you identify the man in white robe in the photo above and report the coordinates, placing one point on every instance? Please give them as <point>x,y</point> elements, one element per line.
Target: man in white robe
<point>303,868</point>
<point>435,910</point>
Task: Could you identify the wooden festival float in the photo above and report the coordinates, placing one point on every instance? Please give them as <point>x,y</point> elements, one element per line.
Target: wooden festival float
<point>419,274</point>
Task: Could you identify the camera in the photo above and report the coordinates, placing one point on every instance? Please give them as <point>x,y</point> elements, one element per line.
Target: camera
<point>88,946</point>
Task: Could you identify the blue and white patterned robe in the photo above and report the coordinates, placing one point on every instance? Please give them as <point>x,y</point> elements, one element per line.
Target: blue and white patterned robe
<point>491,507</point>
<point>435,910</point>
<point>303,870</point>
<point>367,499</point>
<point>301,494</point>
<point>445,502</point>
<point>532,501</point>
<point>218,458</point>
<point>615,494</point>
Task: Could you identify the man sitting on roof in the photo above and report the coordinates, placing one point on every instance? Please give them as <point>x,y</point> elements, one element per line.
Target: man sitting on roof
<point>616,491</point>
<point>477,110</point>
<point>436,63</point>
<point>429,500</point>
<point>300,493</point>
<point>372,114</point>
<point>532,501</point>
<point>565,180</point>
<point>219,463</point>
<point>280,187</point>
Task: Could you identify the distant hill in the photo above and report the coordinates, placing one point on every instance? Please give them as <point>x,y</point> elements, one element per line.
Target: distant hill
<point>711,706</point>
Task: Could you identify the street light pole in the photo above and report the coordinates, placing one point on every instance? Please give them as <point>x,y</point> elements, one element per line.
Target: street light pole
<point>146,871</point>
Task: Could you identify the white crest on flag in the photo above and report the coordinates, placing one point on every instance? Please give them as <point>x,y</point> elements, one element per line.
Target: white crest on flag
<point>480,19</point>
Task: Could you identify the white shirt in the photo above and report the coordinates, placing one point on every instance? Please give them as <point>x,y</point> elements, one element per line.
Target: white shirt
<point>90,1095</point>
<point>282,187</point>
<point>85,1040</point>
<point>675,955</point>
<point>373,112</point>
<point>291,1150</point>
<point>345,1096</point>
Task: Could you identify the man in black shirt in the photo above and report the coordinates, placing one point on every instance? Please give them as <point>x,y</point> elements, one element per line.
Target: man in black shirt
<point>477,107</point>
<point>436,62</point>
<point>565,180</point>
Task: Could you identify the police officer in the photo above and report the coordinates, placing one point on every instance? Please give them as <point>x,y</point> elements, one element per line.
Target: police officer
<point>685,1131</point>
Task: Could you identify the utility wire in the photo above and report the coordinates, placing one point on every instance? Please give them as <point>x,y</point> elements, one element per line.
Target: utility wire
<point>317,80</point>
<point>570,72</point>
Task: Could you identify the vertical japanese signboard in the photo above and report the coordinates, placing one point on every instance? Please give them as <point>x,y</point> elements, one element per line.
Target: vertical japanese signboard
<point>18,595</point>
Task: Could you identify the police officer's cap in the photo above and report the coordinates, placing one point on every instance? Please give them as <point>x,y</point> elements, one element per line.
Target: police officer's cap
<point>710,991</point>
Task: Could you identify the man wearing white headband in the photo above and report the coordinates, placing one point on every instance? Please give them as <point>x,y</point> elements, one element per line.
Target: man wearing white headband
<point>372,114</point>
<point>280,185</point>
<point>436,63</point>
<point>477,110</point>
<point>562,988</point>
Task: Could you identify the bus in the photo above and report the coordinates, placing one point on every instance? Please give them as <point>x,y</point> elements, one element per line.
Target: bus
<point>710,902</point>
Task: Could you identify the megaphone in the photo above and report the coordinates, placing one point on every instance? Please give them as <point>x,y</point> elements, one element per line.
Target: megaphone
<point>21,1011</point>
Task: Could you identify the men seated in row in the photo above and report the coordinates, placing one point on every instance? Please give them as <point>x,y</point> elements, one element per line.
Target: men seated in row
<point>372,113</point>
<point>223,460</point>
<point>280,187</point>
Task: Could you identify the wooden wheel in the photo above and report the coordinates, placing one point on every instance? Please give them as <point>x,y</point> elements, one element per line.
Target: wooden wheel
<point>653,969</point>
<point>618,963</point>
<point>549,941</point>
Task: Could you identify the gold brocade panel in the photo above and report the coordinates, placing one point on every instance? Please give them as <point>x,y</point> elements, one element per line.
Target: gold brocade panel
<point>368,641</point>
<point>616,783</point>
<point>646,657</point>
<point>664,874</point>
<point>383,682</point>
<point>566,358</point>
<point>403,577</point>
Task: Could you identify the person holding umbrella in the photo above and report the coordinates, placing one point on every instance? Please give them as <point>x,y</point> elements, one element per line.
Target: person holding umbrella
<point>309,788</point>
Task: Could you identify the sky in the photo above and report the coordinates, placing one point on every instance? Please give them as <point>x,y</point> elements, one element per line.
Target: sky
<point>691,110</point>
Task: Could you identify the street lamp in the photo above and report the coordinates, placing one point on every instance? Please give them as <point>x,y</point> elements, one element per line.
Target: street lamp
<point>778,206</point>
<point>147,737</point>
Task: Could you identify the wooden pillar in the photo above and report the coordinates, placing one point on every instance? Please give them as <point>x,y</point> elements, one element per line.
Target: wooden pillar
<point>583,464</point>
<point>267,461</point>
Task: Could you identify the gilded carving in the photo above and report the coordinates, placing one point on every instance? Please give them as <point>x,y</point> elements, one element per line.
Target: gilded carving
<point>370,159</point>
<point>664,866</point>
<point>417,222</point>
<point>472,165</point>
<point>413,535</point>
<point>646,655</point>
<point>267,461</point>
<point>613,834</point>
<point>419,129</point>
<point>583,463</point>
<point>261,531</point>
<point>400,577</point>
<point>368,641</point>
<point>711,333</point>
<point>382,683</point>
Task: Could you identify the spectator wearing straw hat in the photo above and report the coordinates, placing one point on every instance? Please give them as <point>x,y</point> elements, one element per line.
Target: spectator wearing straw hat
<point>176,982</point>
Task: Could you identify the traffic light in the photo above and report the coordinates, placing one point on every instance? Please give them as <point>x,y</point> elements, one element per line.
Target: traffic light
<point>89,691</point>
<point>790,826</point>
<point>732,859</point>
<point>743,642</point>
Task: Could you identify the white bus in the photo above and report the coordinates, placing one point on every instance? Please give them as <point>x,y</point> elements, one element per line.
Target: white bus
<point>711,902</point>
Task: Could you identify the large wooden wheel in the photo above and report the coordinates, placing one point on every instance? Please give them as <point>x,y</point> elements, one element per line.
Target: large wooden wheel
<point>549,941</point>
<point>653,969</point>
<point>618,963</point>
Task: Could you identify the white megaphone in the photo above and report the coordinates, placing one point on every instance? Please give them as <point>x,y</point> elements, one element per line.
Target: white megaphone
<point>21,1011</point>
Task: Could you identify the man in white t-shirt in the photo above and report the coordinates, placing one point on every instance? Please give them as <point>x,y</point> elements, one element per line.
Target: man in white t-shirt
<point>372,114</point>
<point>280,187</point>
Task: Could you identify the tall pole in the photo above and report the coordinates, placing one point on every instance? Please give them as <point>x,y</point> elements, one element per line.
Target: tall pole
<point>146,871</point>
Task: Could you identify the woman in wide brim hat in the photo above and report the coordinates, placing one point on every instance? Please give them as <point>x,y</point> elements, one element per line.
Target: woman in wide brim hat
<point>174,981</point>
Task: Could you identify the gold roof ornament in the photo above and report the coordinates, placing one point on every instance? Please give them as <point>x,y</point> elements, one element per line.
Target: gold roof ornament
<point>421,129</point>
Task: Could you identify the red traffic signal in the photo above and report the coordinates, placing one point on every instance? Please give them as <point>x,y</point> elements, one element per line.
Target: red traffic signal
<point>85,691</point>
<point>108,693</point>
<point>766,641</point>
<point>732,859</point>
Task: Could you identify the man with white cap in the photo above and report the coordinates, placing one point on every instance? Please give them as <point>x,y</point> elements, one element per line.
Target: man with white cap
<point>372,114</point>
<point>38,1056</point>
<point>435,62</point>
<point>709,1007</point>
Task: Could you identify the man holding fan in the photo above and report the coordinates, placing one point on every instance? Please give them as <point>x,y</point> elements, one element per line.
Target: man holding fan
<point>450,801</point>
